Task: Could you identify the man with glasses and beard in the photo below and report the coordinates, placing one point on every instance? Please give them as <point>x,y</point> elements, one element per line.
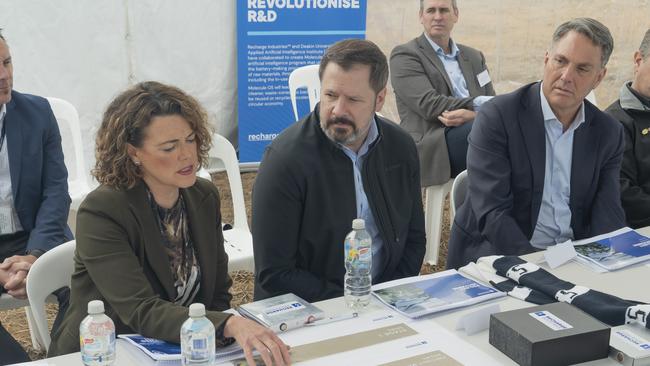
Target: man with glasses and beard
<point>340,162</point>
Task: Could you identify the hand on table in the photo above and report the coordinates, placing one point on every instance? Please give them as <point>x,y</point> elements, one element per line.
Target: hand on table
<point>15,268</point>
<point>251,335</point>
<point>456,117</point>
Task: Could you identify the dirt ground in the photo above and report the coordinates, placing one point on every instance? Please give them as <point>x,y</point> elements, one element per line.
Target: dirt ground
<point>242,290</point>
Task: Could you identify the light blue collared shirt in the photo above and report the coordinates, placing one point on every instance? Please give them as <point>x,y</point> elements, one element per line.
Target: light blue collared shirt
<point>554,221</point>
<point>363,207</point>
<point>458,82</point>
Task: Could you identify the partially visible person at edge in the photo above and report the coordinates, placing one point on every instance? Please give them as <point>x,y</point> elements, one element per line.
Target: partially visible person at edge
<point>340,162</point>
<point>632,109</point>
<point>149,239</point>
<point>543,163</point>
<point>34,199</point>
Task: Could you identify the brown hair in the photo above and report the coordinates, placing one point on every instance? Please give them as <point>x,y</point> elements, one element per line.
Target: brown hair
<point>351,52</point>
<point>125,121</point>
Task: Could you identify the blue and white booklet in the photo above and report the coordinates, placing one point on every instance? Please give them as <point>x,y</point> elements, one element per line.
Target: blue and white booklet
<point>614,250</point>
<point>168,354</point>
<point>422,295</point>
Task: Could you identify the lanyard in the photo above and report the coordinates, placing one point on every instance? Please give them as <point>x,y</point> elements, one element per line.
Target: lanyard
<point>2,134</point>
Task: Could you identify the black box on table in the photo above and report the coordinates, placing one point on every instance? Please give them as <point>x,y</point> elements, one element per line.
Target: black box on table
<point>551,334</point>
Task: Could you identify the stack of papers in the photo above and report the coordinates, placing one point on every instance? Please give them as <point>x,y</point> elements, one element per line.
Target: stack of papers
<point>422,295</point>
<point>166,353</point>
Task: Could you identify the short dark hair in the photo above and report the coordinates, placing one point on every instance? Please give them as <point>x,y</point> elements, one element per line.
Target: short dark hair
<point>350,52</point>
<point>644,48</point>
<point>454,4</point>
<point>591,28</point>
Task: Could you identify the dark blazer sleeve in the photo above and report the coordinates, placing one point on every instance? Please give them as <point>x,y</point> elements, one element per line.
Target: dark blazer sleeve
<point>50,228</point>
<point>607,213</point>
<point>415,244</point>
<point>221,298</point>
<point>277,210</point>
<point>635,200</point>
<point>489,167</point>
<point>412,83</point>
<point>103,246</point>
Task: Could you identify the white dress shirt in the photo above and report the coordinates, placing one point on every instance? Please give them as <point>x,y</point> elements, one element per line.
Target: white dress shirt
<point>9,222</point>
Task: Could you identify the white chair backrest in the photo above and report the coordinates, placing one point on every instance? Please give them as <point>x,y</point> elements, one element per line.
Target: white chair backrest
<point>50,272</point>
<point>68,121</point>
<point>458,193</point>
<point>305,76</point>
<point>223,150</point>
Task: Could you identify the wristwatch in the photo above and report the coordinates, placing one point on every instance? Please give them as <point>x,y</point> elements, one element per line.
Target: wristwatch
<point>35,252</point>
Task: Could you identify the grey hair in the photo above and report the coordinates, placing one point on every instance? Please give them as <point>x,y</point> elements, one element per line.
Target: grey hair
<point>644,48</point>
<point>1,37</point>
<point>454,4</point>
<point>592,29</point>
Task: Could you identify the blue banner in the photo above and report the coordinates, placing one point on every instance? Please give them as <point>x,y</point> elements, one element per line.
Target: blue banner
<point>273,38</point>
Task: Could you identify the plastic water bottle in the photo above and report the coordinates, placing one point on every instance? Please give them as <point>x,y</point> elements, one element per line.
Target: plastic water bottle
<point>197,338</point>
<point>97,336</point>
<point>358,261</point>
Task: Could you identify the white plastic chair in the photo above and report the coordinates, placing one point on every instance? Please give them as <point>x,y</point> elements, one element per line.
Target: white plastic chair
<point>49,273</point>
<point>8,302</point>
<point>457,195</point>
<point>238,240</point>
<point>434,200</point>
<point>305,76</point>
<point>78,178</point>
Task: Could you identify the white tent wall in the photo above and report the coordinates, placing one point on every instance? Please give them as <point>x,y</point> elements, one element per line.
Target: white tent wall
<point>88,51</point>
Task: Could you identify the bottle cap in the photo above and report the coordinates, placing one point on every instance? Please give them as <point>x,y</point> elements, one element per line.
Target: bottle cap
<point>358,224</point>
<point>96,307</point>
<point>196,310</point>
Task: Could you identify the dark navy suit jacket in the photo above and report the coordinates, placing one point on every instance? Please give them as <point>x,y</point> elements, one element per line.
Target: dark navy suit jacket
<point>505,164</point>
<point>39,179</point>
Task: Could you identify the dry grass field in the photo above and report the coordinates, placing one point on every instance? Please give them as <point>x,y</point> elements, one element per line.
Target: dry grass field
<point>242,289</point>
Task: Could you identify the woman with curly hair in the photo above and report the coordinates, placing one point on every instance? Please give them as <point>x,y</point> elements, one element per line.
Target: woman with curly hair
<point>149,239</point>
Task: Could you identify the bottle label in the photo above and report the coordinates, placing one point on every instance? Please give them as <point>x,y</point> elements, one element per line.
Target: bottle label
<point>353,254</point>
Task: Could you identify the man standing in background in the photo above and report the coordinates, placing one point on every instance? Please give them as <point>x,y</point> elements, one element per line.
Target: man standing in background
<point>439,85</point>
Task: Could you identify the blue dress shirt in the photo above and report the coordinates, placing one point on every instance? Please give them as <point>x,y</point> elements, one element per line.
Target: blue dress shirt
<point>458,83</point>
<point>554,220</point>
<point>363,207</point>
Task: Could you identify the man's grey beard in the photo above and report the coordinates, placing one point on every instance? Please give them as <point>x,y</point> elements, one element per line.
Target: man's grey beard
<point>329,128</point>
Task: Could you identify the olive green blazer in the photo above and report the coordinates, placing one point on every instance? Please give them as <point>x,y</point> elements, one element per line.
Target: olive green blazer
<point>119,259</point>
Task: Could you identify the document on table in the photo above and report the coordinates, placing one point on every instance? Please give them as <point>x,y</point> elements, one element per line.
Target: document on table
<point>381,337</point>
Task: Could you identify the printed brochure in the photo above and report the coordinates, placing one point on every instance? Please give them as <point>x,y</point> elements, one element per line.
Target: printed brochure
<point>422,295</point>
<point>615,250</point>
<point>281,313</point>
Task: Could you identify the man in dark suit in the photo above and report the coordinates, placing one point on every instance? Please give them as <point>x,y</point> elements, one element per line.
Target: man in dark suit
<point>632,109</point>
<point>543,163</point>
<point>439,85</point>
<point>34,198</point>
